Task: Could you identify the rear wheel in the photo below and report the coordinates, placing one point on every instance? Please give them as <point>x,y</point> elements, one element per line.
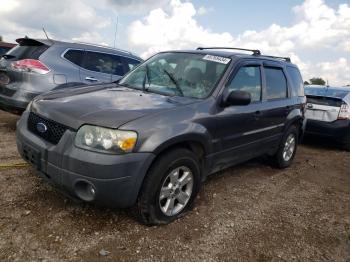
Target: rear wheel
<point>170,188</point>
<point>346,143</point>
<point>287,149</point>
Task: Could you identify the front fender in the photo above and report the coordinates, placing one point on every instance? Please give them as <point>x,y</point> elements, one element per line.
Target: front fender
<point>163,138</point>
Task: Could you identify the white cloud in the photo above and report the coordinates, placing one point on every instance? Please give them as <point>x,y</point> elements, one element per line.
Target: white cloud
<point>90,37</point>
<point>337,72</point>
<point>317,27</point>
<point>135,6</point>
<point>62,19</point>
<point>202,10</point>
<point>176,29</point>
<point>172,24</point>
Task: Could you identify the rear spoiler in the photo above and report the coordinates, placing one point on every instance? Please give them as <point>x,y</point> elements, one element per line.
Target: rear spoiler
<point>33,42</point>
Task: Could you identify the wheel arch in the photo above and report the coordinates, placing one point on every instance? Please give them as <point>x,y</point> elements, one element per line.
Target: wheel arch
<point>296,118</point>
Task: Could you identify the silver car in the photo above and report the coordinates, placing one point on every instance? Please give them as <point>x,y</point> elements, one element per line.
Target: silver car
<point>36,66</point>
<point>328,113</point>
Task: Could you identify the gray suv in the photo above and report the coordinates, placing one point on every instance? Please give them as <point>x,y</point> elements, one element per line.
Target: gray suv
<point>36,66</point>
<point>149,140</point>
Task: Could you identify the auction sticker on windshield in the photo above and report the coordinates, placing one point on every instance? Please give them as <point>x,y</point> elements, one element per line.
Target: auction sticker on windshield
<point>218,59</point>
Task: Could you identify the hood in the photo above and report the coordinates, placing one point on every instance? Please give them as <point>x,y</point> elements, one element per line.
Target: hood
<point>102,105</point>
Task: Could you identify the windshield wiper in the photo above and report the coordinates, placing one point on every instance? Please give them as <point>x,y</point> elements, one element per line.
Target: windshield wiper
<point>172,78</point>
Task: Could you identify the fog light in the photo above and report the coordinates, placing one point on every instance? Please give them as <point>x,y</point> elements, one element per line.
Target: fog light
<point>85,190</point>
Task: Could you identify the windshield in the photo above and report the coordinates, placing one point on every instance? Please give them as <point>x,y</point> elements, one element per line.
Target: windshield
<point>329,92</point>
<point>180,74</point>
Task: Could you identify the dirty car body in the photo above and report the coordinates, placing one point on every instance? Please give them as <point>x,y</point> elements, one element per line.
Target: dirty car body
<point>328,113</point>
<point>174,101</point>
<point>37,66</point>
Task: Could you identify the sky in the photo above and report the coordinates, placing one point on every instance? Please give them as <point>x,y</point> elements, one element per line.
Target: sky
<point>314,33</point>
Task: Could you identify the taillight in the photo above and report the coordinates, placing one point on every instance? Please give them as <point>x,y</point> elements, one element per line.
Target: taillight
<point>344,112</point>
<point>30,65</point>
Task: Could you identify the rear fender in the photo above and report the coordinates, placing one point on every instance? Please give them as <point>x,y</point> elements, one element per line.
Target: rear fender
<point>296,117</point>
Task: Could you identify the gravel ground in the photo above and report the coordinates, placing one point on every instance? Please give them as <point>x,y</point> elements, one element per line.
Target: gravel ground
<point>249,212</point>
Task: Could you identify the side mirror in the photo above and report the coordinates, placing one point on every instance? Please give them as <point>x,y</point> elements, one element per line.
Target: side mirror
<point>238,98</point>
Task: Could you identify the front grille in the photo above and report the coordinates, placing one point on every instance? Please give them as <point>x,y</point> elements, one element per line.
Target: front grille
<point>54,131</point>
<point>7,91</point>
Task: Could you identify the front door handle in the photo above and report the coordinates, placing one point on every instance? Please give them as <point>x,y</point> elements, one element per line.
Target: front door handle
<point>90,78</point>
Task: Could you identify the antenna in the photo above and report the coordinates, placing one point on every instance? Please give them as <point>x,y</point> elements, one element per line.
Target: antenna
<point>46,34</point>
<point>116,32</point>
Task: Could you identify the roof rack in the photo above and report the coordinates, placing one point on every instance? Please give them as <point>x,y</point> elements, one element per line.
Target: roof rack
<point>287,59</point>
<point>255,51</point>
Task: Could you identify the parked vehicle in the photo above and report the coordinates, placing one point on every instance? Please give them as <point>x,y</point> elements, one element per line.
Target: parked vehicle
<point>36,66</point>
<point>150,140</point>
<point>328,113</point>
<point>5,47</point>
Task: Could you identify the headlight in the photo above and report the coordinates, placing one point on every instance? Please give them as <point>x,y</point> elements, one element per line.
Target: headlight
<point>105,139</point>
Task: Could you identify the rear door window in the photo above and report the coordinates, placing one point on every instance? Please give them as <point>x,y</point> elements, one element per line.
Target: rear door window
<point>297,81</point>
<point>74,56</point>
<point>276,83</point>
<point>103,63</point>
<point>248,78</point>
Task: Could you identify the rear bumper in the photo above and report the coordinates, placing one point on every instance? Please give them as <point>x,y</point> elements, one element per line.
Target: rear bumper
<point>16,103</point>
<point>115,179</point>
<point>339,129</point>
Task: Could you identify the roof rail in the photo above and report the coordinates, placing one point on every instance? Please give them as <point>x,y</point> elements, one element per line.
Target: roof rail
<point>105,46</point>
<point>255,51</point>
<point>287,59</point>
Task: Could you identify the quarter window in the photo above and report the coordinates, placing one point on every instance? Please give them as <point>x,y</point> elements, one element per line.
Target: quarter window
<point>74,56</point>
<point>276,83</point>
<point>297,81</point>
<point>103,63</point>
<point>248,79</point>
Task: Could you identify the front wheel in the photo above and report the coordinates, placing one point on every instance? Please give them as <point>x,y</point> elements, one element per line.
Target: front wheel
<point>287,149</point>
<point>170,187</point>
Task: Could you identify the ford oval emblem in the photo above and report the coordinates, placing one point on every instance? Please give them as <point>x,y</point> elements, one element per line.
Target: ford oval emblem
<point>41,127</point>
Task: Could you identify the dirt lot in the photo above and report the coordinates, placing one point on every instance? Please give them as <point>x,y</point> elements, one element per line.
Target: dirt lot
<point>250,212</point>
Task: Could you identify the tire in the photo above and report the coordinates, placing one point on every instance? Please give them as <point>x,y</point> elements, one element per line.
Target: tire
<point>284,157</point>
<point>151,207</point>
<point>346,143</point>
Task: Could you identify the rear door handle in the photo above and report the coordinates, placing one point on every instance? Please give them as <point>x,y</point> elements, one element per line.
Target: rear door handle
<point>90,78</point>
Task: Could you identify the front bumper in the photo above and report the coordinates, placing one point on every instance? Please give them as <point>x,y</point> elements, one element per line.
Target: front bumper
<point>339,129</point>
<point>116,179</point>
